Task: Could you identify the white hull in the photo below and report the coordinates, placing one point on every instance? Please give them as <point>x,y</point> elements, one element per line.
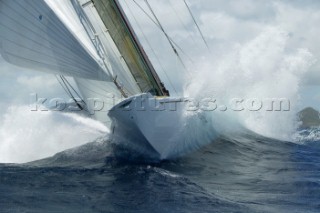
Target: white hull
<point>157,126</point>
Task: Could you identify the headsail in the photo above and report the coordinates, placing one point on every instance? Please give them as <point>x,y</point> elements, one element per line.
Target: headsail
<point>128,45</point>
<point>90,40</point>
<point>33,36</point>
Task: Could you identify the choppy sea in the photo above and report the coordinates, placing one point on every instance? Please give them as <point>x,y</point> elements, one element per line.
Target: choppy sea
<point>239,173</point>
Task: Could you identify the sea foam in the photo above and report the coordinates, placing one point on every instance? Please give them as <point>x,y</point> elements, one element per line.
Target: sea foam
<point>27,135</point>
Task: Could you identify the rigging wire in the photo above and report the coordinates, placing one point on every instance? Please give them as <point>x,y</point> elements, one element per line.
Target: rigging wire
<point>65,85</point>
<point>71,87</point>
<point>96,42</point>
<point>149,44</point>
<point>195,22</point>
<point>180,20</point>
<point>161,27</point>
<point>168,37</point>
<point>71,95</point>
<point>62,85</point>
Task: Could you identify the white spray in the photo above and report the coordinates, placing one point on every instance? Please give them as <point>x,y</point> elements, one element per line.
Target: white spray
<point>26,135</point>
<point>261,69</point>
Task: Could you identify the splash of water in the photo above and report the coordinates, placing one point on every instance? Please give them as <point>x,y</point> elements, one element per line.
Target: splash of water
<point>310,135</point>
<point>26,135</point>
<point>262,69</point>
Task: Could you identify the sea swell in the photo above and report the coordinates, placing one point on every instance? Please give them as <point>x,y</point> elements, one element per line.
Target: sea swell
<point>243,173</point>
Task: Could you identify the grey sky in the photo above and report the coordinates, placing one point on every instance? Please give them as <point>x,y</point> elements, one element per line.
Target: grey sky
<point>226,26</point>
<point>232,24</point>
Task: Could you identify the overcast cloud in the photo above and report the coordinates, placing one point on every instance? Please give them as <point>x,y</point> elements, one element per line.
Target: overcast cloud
<point>225,24</point>
<point>228,23</point>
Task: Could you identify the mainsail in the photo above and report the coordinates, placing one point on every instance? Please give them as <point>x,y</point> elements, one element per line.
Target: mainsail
<point>89,40</point>
<point>33,36</point>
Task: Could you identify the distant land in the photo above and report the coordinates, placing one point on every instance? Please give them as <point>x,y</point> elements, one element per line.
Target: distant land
<point>309,117</point>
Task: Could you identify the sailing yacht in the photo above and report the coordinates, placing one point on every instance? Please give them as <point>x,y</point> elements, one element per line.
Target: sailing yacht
<point>93,42</point>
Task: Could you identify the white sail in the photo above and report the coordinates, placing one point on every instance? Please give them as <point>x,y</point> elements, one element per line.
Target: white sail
<point>99,97</point>
<point>93,41</point>
<point>89,40</point>
<point>34,36</point>
<point>108,50</point>
<point>121,54</point>
<point>129,47</point>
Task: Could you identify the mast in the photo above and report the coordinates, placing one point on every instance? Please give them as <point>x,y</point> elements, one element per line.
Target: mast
<point>129,46</point>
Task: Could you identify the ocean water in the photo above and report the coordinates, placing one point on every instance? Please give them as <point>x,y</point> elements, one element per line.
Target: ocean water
<point>244,172</point>
<point>257,162</point>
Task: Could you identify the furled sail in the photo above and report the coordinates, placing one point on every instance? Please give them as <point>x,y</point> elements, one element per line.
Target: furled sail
<point>34,36</point>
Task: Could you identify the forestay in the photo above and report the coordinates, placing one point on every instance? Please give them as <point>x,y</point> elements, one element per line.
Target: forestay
<point>127,43</point>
